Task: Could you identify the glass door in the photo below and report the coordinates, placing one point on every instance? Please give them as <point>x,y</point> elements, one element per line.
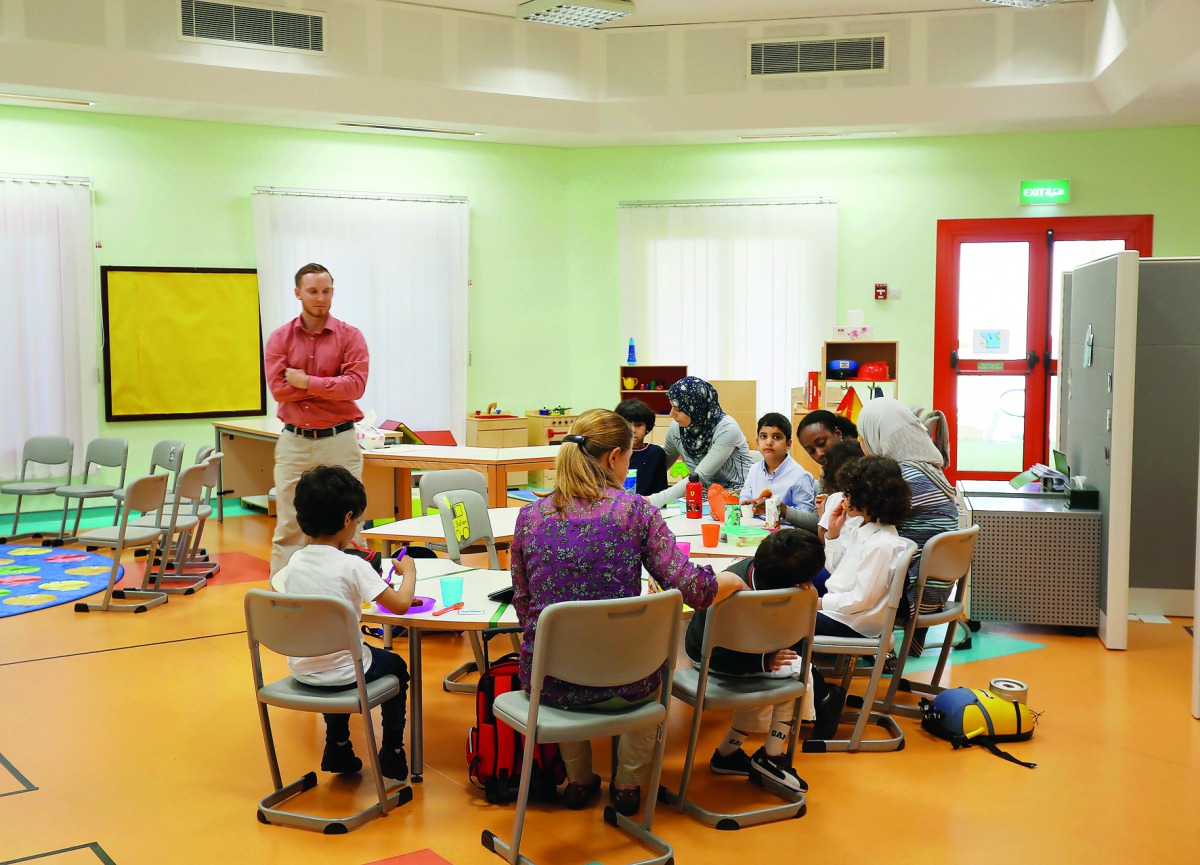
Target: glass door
<point>999,310</point>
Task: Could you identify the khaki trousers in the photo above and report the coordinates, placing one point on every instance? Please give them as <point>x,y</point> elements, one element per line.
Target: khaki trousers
<point>294,455</point>
<point>634,751</point>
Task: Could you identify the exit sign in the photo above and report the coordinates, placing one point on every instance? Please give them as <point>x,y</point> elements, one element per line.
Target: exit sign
<point>1045,191</point>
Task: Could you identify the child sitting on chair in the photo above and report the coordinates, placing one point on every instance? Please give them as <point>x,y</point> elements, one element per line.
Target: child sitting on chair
<point>860,560</point>
<point>329,502</point>
<point>787,558</point>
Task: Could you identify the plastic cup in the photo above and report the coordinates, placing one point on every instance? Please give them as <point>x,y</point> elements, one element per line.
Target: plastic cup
<point>747,514</point>
<point>452,588</point>
<point>685,547</point>
<point>711,533</point>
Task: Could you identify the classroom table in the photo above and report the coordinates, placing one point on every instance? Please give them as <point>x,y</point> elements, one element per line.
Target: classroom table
<point>478,613</point>
<point>689,530</point>
<point>249,465</point>
<point>428,529</point>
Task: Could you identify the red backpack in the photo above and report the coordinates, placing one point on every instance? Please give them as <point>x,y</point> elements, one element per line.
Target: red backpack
<point>495,750</point>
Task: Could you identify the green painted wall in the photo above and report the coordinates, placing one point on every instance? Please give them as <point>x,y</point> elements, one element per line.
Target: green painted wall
<point>544,317</point>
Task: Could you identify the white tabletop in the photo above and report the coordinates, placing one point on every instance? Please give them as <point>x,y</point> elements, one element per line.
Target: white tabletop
<point>689,530</point>
<point>429,527</point>
<point>466,454</point>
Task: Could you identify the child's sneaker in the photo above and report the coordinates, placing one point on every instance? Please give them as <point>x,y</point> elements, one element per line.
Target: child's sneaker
<point>735,763</point>
<point>393,764</point>
<point>776,768</point>
<point>340,759</point>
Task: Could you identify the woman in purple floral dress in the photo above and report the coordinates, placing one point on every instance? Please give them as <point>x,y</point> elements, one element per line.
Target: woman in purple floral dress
<point>588,540</point>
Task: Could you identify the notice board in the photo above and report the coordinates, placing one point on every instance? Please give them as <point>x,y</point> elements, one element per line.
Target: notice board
<point>181,343</point>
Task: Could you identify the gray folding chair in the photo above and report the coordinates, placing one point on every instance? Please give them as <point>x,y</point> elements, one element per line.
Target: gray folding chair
<point>945,561</point>
<point>445,481</point>
<point>635,637</point>
<point>304,626</point>
<point>466,523</point>
<point>144,494</point>
<point>176,521</point>
<point>167,456</point>
<point>101,452</point>
<point>195,561</point>
<point>46,451</point>
<point>852,648</point>
<point>755,623</point>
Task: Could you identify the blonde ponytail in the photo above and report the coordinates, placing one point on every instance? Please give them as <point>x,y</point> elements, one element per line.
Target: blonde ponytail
<point>578,471</point>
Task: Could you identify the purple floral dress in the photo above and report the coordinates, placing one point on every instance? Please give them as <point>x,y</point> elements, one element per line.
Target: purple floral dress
<point>596,552</point>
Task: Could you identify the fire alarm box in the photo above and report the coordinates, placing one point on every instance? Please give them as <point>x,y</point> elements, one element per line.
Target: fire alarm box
<point>881,291</point>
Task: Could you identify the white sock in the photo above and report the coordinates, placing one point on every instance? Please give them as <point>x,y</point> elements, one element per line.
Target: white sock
<point>734,740</point>
<point>781,728</point>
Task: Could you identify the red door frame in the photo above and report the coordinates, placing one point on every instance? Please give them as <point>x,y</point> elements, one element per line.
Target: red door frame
<point>1137,232</point>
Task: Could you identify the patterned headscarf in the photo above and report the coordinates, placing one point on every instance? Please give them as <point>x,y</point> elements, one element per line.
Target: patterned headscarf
<point>697,399</point>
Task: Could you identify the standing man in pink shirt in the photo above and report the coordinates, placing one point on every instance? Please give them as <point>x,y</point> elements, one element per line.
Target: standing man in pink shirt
<point>317,368</point>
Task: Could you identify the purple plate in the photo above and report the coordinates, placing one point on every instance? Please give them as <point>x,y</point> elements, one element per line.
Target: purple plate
<point>421,604</point>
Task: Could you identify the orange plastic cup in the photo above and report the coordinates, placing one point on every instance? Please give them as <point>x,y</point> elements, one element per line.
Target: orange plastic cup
<point>710,534</point>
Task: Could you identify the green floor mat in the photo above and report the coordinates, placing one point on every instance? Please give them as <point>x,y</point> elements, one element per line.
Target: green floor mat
<point>984,646</point>
<point>48,522</point>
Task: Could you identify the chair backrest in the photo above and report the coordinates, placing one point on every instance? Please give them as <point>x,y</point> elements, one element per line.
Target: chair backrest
<point>167,454</point>
<point>108,452</point>
<point>212,474</point>
<point>189,490</point>
<point>606,643</point>
<point>302,626</point>
<point>48,451</point>
<point>465,521</point>
<point>760,622</point>
<point>946,558</point>
<point>899,580</point>
<point>145,494</point>
<point>204,453</point>
<point>433,483</point>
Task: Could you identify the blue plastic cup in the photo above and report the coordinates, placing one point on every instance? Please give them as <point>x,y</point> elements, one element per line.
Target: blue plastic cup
<point>452,589</point>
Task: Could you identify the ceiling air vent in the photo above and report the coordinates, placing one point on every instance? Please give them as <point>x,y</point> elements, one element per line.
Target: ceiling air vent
<point>252,25</point>
<point>814,56</point>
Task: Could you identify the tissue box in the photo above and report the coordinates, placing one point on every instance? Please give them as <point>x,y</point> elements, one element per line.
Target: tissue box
<point>1086,499</point>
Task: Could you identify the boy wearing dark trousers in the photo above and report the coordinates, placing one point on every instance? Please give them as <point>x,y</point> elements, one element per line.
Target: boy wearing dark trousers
<point>648,460</point>
<point>787,558</point>
<point>329,502</point>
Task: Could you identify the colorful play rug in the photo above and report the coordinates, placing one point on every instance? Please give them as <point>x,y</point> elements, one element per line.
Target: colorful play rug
<point>32,578</point>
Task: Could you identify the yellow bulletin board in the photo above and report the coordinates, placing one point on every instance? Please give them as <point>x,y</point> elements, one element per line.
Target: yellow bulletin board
<point>181,343</point>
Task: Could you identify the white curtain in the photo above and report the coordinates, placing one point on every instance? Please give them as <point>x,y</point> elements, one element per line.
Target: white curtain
<point>742,291</point>
<point>49,343</point>
<point>400,276</point>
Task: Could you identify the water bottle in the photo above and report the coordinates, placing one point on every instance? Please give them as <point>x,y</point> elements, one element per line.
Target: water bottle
<point>694,497</point>
<point>631,481</point>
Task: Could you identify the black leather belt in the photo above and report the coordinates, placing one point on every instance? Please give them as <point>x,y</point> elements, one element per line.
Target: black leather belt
<point>319,433</point>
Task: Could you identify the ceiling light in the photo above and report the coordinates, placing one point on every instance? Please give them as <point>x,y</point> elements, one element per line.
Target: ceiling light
<point>389,128</point>
<point>580,13</point>
<point>1021,4</point>
<point>47,99</point>
<point>791,136</point>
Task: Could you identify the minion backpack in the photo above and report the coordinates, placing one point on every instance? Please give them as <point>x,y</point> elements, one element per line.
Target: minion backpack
<point>969,717</point>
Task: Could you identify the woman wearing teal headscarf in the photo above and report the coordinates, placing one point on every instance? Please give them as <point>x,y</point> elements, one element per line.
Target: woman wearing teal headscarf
<point>709,442</point>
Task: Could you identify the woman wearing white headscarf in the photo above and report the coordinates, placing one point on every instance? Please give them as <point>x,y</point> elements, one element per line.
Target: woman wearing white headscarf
<point>887,427</point>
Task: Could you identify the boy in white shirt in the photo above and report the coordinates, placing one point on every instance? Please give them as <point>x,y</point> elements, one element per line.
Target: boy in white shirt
<point>778,474</point>
<point>860,560</point>
<point>329,502</point>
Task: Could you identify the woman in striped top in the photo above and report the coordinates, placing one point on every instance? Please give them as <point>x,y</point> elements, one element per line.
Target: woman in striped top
<point>888,428</point>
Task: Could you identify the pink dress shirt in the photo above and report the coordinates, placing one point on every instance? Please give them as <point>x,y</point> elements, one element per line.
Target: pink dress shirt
<point>336,361</point>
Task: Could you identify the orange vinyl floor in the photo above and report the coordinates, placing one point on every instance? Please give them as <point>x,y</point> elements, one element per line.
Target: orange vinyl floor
<point>133,739</point>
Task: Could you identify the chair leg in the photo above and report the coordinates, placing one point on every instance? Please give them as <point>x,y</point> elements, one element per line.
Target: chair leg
<point>453,680</point>
<point>15,535</point>
<point>512,852</point>
<point>143,599</point>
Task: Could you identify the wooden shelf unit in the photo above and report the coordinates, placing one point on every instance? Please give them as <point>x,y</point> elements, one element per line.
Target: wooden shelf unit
<point>863,351</point>
<point>664,374</point>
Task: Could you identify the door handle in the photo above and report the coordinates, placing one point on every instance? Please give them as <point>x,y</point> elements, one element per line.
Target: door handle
<point>1032,360</point>
<point>954,359</point>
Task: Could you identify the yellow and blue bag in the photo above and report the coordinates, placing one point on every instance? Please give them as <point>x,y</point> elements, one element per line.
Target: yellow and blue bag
<point>967,717</point>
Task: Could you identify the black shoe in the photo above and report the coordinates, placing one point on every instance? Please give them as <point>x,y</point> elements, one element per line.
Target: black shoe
<point>577,796</point>
<point>393,763</point>
<point>764,766</point>
<point>626,801</point>
<point>737,763</point>
<point>340,759</point>
<point>829,712</point>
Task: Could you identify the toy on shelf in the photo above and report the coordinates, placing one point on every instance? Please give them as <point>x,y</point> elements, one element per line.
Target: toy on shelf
<point>492,411</point>
<point>632,352</point>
